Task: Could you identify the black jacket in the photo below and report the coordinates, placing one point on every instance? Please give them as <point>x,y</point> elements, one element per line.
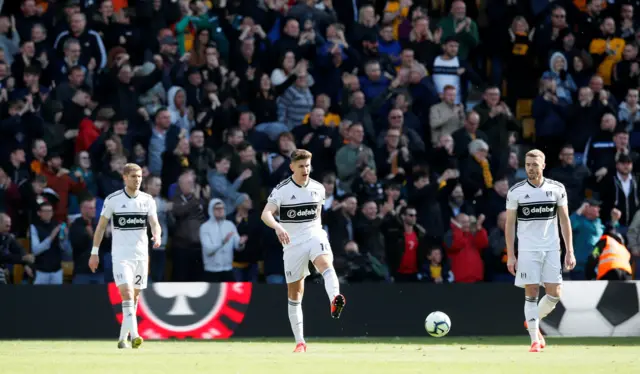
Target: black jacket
<point>612,196</point>
<point>50,260</point>
<point>395,243</point>
<point>11,252</point>
<point>82,242</point>
<point>92,46</point>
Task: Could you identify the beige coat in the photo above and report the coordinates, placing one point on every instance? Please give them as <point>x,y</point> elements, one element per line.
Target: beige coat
<point>444,120</point>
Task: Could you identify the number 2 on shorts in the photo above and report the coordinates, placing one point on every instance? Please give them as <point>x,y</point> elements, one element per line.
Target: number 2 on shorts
<point>138,279</point>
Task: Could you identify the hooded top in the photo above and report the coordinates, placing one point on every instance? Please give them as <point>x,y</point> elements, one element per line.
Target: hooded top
<point>217,255</point>
<point>182,121</point>
<point>564,82</point>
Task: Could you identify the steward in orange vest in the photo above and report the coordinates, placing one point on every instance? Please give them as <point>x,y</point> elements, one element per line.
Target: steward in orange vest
<point>610,259</point>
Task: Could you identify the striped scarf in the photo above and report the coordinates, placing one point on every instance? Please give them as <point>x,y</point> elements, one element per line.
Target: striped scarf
<point>486,172</point>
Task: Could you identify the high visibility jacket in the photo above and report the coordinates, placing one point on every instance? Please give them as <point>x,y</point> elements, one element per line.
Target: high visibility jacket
<point>614,256</point>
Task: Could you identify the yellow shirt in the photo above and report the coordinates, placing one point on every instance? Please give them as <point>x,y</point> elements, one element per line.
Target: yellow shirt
<point>599,47</point>
<point>392,7</point>
<point>436,271</point>
<point>330,120</point>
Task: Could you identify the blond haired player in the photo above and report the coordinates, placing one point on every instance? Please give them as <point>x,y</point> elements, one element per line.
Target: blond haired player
<point>130,211</point>
<point>298,201</point>
<point>536,204</point>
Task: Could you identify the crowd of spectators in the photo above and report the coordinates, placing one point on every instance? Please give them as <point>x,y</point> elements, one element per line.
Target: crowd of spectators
<point>417,112</point>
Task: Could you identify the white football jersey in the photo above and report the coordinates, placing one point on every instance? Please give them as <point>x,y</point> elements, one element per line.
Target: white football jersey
<point>537,209</point>
<point>129,217</point>
<point>300,209</point>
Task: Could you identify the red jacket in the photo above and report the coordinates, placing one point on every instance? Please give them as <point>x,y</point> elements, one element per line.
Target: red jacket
<point>62,185</point>
<point>87,134</point>
<point>463,249</point>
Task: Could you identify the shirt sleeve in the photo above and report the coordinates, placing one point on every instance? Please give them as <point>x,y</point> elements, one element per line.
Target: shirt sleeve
<point>562,197</point>
<point>275,198</point>
<point>512,201</point>
<point>107,209</point>
<point>153,211</point>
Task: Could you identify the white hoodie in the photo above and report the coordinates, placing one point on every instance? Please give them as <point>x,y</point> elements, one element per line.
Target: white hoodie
<point>181,121</point>
<point>216,255</point>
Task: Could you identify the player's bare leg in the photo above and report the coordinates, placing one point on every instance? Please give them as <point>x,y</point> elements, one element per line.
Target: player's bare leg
<point>324,266</point>
<point>531,315</point>
<point>295,291</point>
<point>129,321</point>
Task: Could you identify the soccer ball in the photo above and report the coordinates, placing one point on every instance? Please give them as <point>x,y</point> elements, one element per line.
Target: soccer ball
<point>437,324</point>
<point>595,308</point>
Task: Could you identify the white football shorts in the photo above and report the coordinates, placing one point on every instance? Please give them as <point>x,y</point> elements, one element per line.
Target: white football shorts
<point>538,267</point>
<point>131,272</point>
<point>296,258</point>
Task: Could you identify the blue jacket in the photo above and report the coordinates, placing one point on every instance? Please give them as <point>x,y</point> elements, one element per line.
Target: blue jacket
<point>550,118</point>
<point>586,234</point>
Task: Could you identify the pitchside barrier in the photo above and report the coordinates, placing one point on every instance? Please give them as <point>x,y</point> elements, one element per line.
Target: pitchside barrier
<point>219,311</point>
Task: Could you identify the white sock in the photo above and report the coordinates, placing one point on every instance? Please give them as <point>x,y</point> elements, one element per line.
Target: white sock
<point>129,320</point>
<point>127,306</point>
<point>295,318</point>
<point>531,315</point>
<point>546,305</point>
<point>331,283</point>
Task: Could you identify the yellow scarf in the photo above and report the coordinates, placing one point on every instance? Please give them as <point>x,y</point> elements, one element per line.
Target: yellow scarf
<point>486,173</point>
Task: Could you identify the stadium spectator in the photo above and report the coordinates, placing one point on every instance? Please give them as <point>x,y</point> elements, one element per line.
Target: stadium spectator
<point>60,182</point>
<point>588,228</point>
<point>158,257</point>
<point>111,181</point>
<point>353,157</point>
<point>476,172</point>
<point>81,239</point>
<point>368,231</point>
<point>220,239</point>
<point>17,168</point>
<point>438,269</point>
<point>356,83</point>
<point>11,252</point>
<point>572,175</point>
<point>446,117</point>
<point>361,267</point>
<point>189,206</point>
<point>610,259</point>
<point>406,245</point>
<point>246,258</point>
<point>496,121</point>
<point>496,257</point>
<point>620,191</point>
<point>9,195</point>
<point>49,240</point>
<point>341,224</point>
<point>465,242</point>
<point>495,202</point>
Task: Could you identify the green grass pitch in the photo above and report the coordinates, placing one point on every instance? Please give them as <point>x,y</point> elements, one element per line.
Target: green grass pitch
<point>494,355</point>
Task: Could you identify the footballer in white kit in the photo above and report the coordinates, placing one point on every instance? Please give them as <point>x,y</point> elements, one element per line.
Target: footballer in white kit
<point>536,204</point>
<point>130,211</point>
<point>297,202</point>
